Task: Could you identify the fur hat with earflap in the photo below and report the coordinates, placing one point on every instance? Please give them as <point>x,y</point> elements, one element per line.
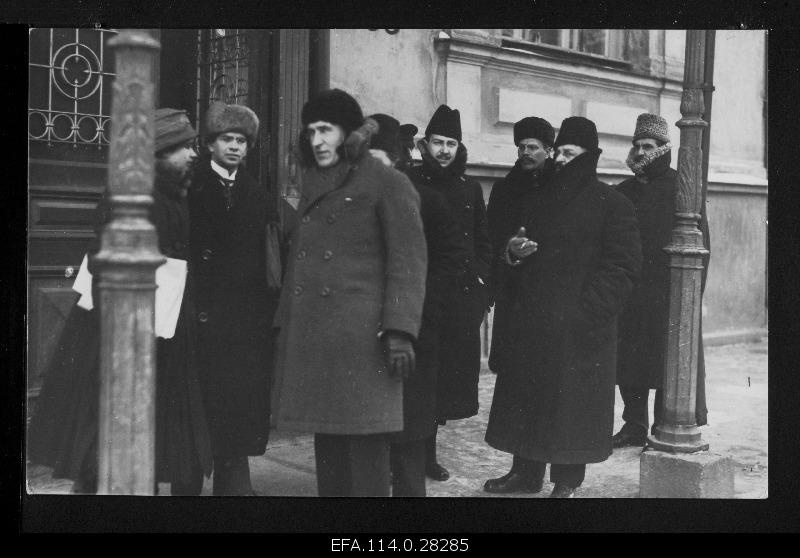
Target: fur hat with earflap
<point>222,118</point>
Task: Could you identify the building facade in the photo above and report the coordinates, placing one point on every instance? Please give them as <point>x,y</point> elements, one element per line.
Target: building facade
<point>493,76</point>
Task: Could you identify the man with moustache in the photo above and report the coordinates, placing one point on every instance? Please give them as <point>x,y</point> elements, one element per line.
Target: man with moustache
<point>572,267</point>
<point>643,323</point>
<point>510,196</point>
<point>230,212</point>
<point>444,160</point>
<point>351,306</point>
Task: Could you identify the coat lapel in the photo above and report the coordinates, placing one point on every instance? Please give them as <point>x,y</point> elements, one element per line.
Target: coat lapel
<point>317,184</point>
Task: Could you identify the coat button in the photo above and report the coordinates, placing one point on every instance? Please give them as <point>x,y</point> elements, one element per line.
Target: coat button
<point>301,254</point>
<point>206,254</point>
<point>327,255</point>
<point>305,219</point>
<point>468,206</point>
<point>331,219</point>
<point>298,289</point>
<point>325,291</point>
<point>466,289</point>
<point>466,234</point>
<point>203,317</point>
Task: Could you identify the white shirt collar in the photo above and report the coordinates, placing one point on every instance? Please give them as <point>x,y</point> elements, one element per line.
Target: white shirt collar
<point>222,171</point>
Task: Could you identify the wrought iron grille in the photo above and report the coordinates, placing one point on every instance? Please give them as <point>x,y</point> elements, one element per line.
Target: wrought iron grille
<point>69,86</point>
<point>223,57</point>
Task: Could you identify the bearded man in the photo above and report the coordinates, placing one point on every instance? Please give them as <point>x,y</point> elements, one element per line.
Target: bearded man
<point>644,321</point>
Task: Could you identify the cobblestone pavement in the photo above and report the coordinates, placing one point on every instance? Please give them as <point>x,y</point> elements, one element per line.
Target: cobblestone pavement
<point>736,388</point>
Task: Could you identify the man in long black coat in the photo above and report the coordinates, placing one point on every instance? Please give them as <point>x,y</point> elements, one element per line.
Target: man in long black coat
<point>444,160</point>
<point>510,195</point>
<point>644,321</point>
<point>573,267</point>
<point>229,213</point>
<point>444,261</point>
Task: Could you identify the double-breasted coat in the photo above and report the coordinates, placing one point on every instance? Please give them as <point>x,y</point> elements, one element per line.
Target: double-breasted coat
<point>645,318</point>
<point>356,268</point>
<point>466,305</point>
<point>506,214</point>
<point>554,402</point>
<point>234,308</point>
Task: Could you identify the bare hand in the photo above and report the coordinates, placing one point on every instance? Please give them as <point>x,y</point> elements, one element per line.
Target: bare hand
<point>520,246</point>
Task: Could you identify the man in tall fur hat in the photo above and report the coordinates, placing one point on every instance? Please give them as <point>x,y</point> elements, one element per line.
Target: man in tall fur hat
<point>444,260</point>
<point>643,323</point>
<point>444,160</point>
<point>230,212</point>
<point>351,306</point>
<point>572,267</point>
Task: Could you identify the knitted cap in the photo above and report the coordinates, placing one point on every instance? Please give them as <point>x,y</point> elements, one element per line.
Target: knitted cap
<point>388,136</point>
<point>172,128</point>
<point>577,130</point>
<point>445,122</point>
<point>533,127</point>
<point>651,126</point>
<point>222,118</point>
<point>334,106</point>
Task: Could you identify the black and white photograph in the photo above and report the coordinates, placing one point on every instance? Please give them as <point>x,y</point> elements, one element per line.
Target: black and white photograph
<point>397,263</point>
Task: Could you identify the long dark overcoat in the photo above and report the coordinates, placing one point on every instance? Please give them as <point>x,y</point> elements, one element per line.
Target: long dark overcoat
<point>63,432</point>
<point>555,400</point>
<point>356,268</point>
<point>644,320</point>
<point>460,347</point>
<point>505,214</point>
<point>234,308</point>
<point>444,260</point>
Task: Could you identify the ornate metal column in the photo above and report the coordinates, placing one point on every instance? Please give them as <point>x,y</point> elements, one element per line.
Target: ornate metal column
<point>679,433</point>
<point>125,271</point>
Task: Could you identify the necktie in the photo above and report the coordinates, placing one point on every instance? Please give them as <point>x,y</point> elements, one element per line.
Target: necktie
<point>227,190</point>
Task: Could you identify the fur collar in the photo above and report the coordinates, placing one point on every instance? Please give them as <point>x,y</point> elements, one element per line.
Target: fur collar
<point>652,165</point>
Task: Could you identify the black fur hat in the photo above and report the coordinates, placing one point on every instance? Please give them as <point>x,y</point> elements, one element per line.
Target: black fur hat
<point>388,136</point>
<point>445,122</point>
<point>534,127</point>
<point>222,118</point>
<point>577,130</point>
<point>334,106</point>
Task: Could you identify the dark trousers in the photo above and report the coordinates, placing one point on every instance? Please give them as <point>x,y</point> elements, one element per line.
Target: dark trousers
<point>232,476</point>
<point>571,475</point>
<point>636,406</point>
<point>408,468</point>
<point>352,465</point>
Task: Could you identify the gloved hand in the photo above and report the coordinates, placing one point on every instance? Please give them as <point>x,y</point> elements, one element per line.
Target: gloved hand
<point>398,351</point>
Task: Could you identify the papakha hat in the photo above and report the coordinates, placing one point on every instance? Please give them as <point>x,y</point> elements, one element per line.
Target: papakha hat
<point>445,122</point>
<point>388,136</point>
<point>534,127</point>
<point>334,106</point>
<point>652,126</point>
<point>577,130</point>
<point>222,118</point>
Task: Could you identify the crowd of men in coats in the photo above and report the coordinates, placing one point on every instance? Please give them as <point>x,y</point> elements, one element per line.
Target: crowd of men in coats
<point>359,319</point>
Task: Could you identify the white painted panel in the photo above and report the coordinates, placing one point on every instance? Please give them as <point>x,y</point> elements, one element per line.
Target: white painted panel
<point>514,105</point>
<point>613,119</point>
<point>464,94</point>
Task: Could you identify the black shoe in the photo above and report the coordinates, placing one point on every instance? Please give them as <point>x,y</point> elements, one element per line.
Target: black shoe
<point>629,437</point>
<point>513,482</point>
<point>562,491</point>
<point>436,472</point>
